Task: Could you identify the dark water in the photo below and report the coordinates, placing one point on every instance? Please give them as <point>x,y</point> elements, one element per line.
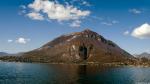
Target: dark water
<point>30,73</point>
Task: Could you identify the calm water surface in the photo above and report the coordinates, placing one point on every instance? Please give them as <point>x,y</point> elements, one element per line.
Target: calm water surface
<point>32,73</point>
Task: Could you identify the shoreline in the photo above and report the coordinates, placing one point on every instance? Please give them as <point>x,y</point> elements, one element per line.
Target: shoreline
<point>114,64</point>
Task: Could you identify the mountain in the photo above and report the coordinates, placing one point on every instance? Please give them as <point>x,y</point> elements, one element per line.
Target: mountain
<point>3,54</point>
<point>8,54</point>
<point>145,55</point>
<point>84,46</point>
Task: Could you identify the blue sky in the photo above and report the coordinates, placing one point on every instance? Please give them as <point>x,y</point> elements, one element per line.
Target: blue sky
<point>24,26</point>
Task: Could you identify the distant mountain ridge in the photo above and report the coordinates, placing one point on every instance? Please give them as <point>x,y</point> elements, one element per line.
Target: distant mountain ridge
<point>145,54</point>
<point>3,54</point>
<point>8,54</point>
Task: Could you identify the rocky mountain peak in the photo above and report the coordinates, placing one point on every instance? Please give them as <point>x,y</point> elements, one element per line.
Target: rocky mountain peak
<point>86,32</point>
<point>84,37</point>
<point>81,46</point>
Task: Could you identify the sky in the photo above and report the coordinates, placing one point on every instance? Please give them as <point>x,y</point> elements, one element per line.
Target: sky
<point>28,24</point>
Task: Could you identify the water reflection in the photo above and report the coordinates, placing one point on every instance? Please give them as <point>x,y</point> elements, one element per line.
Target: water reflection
<point>82,70</point>
<point>27,73</point>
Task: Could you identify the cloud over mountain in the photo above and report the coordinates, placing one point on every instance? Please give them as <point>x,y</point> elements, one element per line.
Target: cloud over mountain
<point>35,16</point>
<point>52,10</point>
<point>142,32</point>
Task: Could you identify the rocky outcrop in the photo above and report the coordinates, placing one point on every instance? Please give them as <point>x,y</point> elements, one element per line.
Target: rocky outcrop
<point>85,46</point>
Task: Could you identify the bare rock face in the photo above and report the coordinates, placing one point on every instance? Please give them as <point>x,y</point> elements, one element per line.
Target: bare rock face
<point>85,46</point>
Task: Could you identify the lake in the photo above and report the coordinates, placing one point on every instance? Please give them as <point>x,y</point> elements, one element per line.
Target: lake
<point>34,73</point>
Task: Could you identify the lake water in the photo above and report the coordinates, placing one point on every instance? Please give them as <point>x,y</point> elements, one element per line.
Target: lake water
<point>34,73</point>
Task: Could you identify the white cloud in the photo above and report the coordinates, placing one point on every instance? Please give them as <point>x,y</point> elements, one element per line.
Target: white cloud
<point>142,32</point>
<point>86,3</point>
<point>106,23</point>
<point>35,16</point>
<point>22,10</point>
<point>126,33</point>
<point>75,23</point>
<point>23,6</point>
<point>79,2</point>
<point>115,22</point>
<point>97,18</point>
<point>135,11</point>
<point>110,23</point>
<point>22,40</point>
<point>9,40</point>
<point>54,11</point>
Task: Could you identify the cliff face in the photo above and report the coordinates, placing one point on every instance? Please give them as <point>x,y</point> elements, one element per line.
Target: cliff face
<point>85,46</point>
